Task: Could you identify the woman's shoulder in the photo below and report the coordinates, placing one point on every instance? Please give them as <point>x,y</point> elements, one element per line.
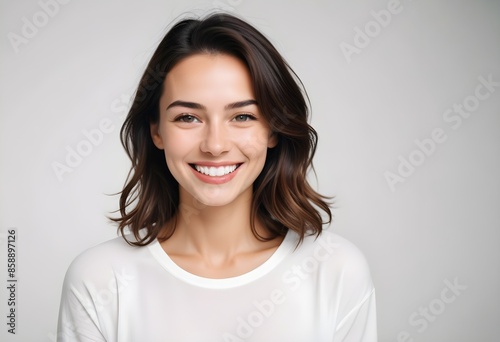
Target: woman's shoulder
<point>337,256</point>
<point>332,244</point>
<point>110,249</point>
<point>100,260</point>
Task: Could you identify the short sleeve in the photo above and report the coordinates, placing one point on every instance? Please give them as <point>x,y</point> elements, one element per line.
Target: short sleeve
<point>360,325</point>
<point>78,319</point>
<point>356,319</point>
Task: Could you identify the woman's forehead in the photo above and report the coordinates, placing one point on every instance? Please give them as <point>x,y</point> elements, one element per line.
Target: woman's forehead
<point>208,78</point>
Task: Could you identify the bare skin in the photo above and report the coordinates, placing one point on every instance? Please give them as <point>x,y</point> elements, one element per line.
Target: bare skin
<point>215,243</point>
<point>209,118</point>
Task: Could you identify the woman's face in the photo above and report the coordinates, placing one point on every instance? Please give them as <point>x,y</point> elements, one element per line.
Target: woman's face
<point>214,137</point>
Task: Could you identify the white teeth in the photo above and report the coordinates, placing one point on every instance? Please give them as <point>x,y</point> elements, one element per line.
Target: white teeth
<point>215,171</point>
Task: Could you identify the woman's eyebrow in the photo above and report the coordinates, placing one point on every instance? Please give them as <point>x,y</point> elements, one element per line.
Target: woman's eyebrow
<point>240,104</point>
<point>194,105</point>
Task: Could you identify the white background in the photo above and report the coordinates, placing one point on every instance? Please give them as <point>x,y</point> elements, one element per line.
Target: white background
<point>82,63</point>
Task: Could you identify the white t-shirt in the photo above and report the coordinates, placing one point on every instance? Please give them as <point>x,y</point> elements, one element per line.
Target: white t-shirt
<point>321,291</point>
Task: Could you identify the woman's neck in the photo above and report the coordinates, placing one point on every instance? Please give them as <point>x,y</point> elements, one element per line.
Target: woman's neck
<point>216,233</point>
<point>223,229</point>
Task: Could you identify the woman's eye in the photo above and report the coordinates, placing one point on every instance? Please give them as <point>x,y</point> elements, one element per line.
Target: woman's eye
<point>186,118</point>
<point>243,117</point>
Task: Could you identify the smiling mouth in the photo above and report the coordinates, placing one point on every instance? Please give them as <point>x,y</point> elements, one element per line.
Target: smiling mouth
<point>213,171</point>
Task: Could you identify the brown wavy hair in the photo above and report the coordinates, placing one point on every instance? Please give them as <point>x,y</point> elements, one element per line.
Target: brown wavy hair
<point>282,197</point>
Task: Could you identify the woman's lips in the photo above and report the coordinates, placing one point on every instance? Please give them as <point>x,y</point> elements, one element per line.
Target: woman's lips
<point>215,173</point>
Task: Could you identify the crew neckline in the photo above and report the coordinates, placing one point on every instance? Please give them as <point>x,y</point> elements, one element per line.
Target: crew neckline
<point>279,254</point>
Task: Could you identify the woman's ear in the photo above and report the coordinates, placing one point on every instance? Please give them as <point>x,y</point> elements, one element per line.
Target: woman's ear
<point>155,135</point>
<point>273,140</point>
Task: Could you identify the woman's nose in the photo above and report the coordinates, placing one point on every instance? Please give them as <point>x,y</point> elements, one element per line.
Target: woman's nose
<point>215,140</point>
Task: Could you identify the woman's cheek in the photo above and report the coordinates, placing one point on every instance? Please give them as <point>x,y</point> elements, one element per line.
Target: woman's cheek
<point>179,140</point>
<point>253,145</point>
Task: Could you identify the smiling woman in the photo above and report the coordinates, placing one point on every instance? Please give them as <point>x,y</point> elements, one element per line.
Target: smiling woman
<point>226,238</point>
<point>221,129</point>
